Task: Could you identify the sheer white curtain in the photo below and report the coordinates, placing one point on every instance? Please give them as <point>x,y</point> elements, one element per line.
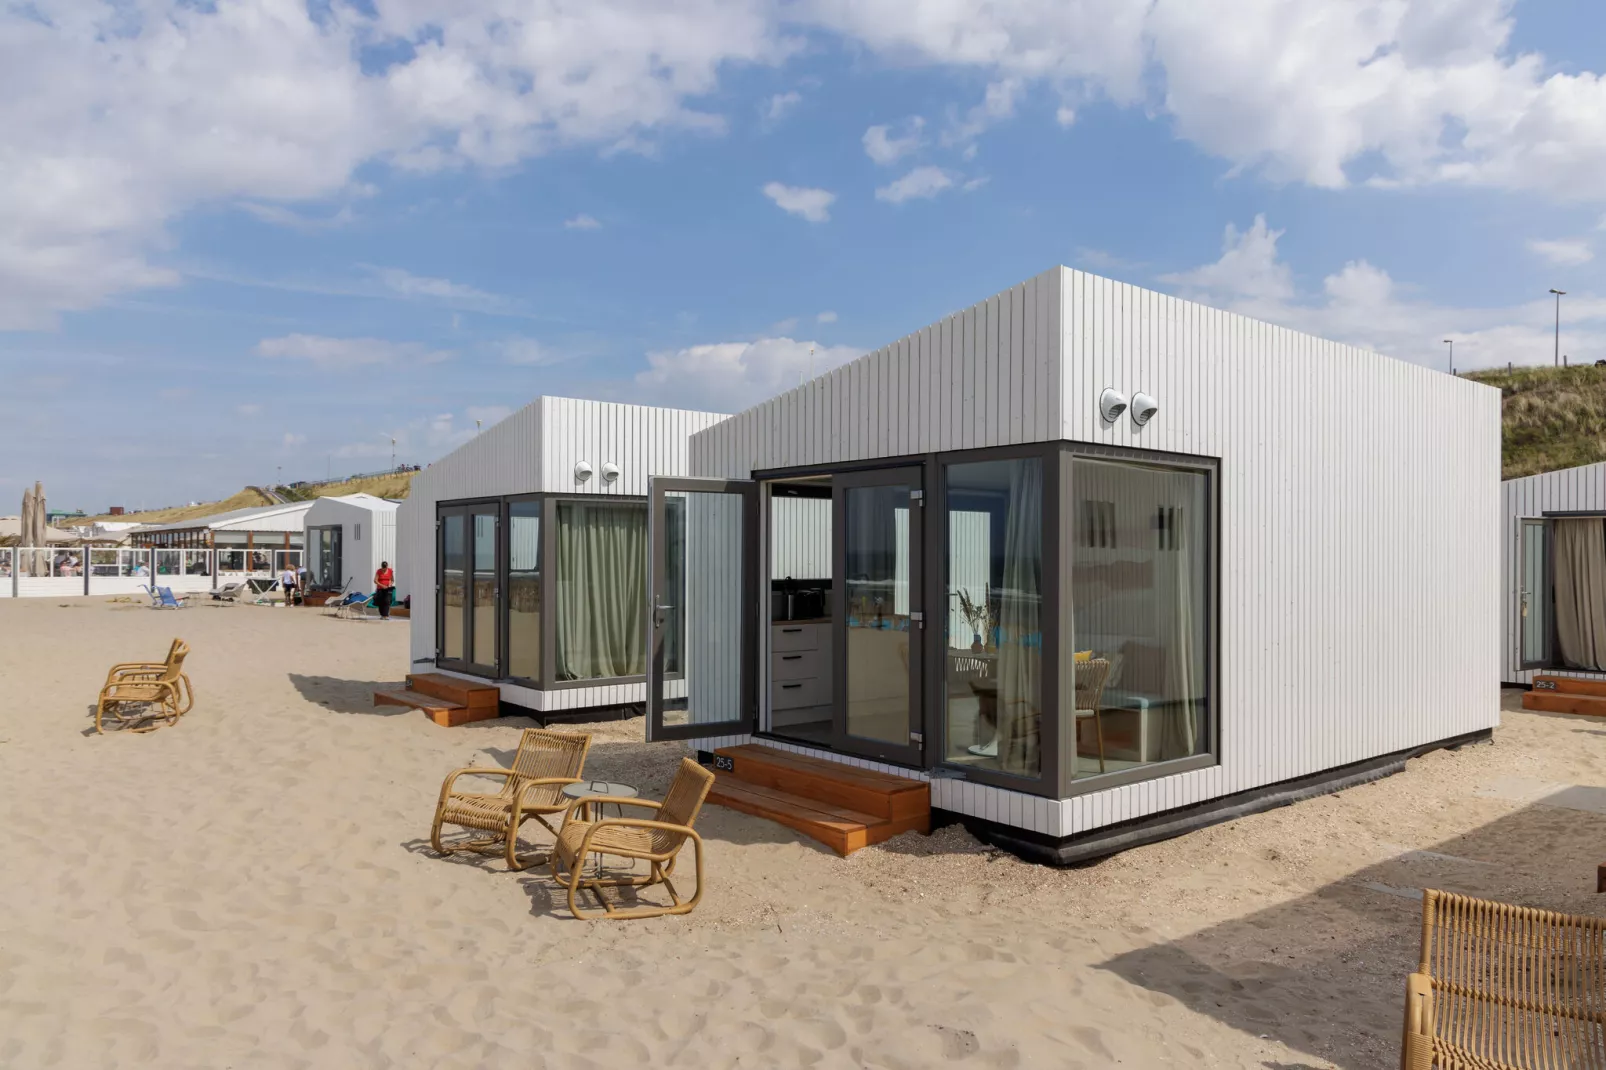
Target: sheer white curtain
<point>1020,651</point>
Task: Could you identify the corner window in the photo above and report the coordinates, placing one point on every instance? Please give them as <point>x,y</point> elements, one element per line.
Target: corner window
<point>993,648</point>
<point>1141,586</point>
<point>601,579</point>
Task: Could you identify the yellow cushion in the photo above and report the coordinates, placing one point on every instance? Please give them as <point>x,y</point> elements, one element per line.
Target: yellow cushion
<point>1084,655</point>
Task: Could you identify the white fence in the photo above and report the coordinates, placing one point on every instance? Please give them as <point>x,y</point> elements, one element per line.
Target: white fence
<point>59,572</point>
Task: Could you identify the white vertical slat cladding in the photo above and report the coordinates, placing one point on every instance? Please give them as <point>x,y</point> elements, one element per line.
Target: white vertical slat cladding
<point>1572,490</point>
<point>534,451</point>
<point>1358,508</point>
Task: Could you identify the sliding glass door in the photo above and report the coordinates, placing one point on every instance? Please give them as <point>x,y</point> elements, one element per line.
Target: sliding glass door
<point>469,636</point>
<point>1534,610</point>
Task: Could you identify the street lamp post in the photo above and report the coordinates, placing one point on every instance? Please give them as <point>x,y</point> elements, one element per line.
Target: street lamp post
<point>1559,295</point>
<point>1451,343</point>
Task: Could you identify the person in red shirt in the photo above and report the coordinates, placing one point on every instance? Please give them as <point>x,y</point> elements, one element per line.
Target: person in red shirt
<point>384,589</point>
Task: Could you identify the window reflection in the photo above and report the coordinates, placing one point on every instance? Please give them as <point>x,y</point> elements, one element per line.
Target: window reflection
<point>1139,605</point>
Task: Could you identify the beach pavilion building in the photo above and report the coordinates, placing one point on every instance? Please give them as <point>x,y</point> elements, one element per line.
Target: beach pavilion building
<point>525,553</point>
<point>347,536</point>
<point>1098,564</point>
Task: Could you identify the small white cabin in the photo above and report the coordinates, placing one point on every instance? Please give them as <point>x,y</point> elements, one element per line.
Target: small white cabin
<point>525,552</point>
<point>1554,562</point>
<point>1101,564</point>
<point>347,536</point>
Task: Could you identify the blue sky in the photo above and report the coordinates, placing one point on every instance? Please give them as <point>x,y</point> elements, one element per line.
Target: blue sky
<point>241,238</point>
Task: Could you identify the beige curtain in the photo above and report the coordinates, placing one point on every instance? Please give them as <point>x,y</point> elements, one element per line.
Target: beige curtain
<point>1174,603</point>
<point>602,591</point>
<point>1580,565</point>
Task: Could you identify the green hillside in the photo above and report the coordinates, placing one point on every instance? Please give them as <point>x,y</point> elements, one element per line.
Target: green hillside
<point>389,485</point>
<point>1550,417</point>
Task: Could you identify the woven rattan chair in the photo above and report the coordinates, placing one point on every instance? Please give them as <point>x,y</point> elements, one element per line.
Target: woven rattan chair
<point>138,693</point>
<point>656,842</point>
<point>1501,987</point>
<point>1090,677</point>
<point>533,788</point>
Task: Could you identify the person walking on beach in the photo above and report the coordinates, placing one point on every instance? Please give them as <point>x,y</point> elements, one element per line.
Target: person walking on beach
<point>384,589</point>
<point>287,580</point>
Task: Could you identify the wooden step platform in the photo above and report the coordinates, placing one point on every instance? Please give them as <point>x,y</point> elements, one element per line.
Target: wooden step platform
<point>446,700</point>
<point>841,806</point>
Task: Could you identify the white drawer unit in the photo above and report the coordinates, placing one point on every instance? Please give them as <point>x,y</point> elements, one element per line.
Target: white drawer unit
<point>800,668</point>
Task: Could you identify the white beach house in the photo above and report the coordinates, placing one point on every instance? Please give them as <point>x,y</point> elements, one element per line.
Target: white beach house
<point>347,536</point>
<point>525,552</point>
<point>1554,568</point>
<point>1099,564</point>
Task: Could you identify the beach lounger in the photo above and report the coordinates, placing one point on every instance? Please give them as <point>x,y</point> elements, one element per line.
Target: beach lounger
<point>533,788</point>
<point>139,692</point>
<point>657,842</point>
<point>229,592</point>
<point>355,606</point>
<point>165,599</point>
<point>1502,987</point>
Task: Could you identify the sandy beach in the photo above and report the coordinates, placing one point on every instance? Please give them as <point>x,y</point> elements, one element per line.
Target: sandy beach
<point>253,888</point>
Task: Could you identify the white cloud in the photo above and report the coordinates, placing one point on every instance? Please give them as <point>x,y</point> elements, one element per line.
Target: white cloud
<point>347,352</point>
<point>582,222</point>
<point>1065,115</point>
<point>423,440</point>
<point>825,317</point>
<point>527,351</point>
<point>802,201</point>
<point>291,440</point>
<point>120,117</point>
<point>921,183</point>
<point>780,105</point>
<point>279,215</point>
<point>1563,252</point>
<point>248,410</point>
<point>882,146</point>
<point>1362,305</point>
<point>730,376</point>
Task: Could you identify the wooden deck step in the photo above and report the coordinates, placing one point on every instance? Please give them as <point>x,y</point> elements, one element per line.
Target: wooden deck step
<point>1570,685</point>
<point>443,712</point>
<point>881,795</point>
<point>1563,702</point>
<point>842,830</point>
<point>840,805</point>
<point>453,689</point>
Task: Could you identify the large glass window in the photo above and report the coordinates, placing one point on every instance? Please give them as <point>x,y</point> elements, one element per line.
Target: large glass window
<point>324,564</point>
<point>993,646</point>
<point>601,579</point>
<point>1140,606</point>
<point>524,590</point>
<point>454,584</point>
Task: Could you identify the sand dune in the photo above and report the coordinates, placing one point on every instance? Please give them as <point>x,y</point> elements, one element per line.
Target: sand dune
<point>253,889</point>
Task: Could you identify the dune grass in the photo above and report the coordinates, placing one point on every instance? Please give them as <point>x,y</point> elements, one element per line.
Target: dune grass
<point>1551,418</point>
<point>389,485</point>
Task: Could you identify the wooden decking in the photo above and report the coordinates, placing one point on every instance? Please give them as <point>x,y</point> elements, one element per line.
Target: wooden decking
<point>1567,694</point>
<point>446,700</point>
<point>839,805</point>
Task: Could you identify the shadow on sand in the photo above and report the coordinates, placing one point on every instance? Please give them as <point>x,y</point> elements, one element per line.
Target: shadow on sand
<point>1325,973</point>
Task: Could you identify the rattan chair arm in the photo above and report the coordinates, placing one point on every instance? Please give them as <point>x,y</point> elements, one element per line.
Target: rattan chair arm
<point>1419,1004</point>
<point>109,691</point>
<point>629,822</point>
<point>451,778</point>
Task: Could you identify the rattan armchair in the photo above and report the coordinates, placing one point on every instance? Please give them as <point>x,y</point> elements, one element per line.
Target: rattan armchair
<point>533,788</point>
<point>1090,678</point>
<point>656,842</point>
<point>138,693</point>
<point>1502,987</point>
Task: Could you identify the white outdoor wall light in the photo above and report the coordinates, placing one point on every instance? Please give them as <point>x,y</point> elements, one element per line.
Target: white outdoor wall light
<point>1112,403</point>
<point>1143,408</point>
<point>582,471</point>
<point>610,472</point>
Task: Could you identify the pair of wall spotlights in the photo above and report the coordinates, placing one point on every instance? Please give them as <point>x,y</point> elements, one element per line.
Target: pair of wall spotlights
<point>1112,403</point>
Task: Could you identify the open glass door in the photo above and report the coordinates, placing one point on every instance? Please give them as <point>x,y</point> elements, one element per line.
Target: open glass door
<point>702,643</point>
<point>467,625</point>
<point>879,610</point>
<point>1534,592</point>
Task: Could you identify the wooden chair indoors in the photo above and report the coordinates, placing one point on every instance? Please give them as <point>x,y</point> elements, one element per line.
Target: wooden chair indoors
<point>138,693</point>
<point>656,842</point>
<point>1502,987</point>
<point>1090,678</point>
<point>533,788</point>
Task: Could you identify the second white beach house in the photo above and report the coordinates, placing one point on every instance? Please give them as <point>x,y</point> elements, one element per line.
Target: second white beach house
<point>1099,564</point>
